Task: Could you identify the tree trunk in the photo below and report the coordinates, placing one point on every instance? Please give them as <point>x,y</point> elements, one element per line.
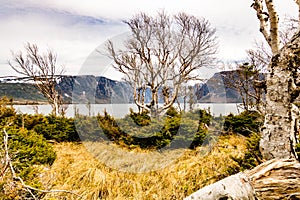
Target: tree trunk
<point>274,179</point>
<point>279,134</point>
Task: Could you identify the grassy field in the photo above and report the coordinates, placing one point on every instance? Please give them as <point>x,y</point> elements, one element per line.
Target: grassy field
<point>78,170</point>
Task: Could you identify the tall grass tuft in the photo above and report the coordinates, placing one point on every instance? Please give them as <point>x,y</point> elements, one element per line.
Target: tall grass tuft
<point>77,170</point>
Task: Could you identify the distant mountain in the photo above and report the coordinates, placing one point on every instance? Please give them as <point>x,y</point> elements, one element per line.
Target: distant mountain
<point>218,89</point>
<point>76,89</point>
<point>21,92</point>
<point>93,89</point>
<point>97,89</point>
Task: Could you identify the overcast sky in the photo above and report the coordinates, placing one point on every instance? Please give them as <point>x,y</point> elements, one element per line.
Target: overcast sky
<point>73,28</point>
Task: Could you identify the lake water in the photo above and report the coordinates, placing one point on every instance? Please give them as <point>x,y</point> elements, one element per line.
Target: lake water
<point>119,110</point>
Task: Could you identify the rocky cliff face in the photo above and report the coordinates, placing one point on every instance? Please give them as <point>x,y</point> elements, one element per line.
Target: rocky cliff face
<point>83,89</point>
<point>219,88</point>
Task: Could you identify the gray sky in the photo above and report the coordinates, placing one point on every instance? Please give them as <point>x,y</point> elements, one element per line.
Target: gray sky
<point>73,28</point>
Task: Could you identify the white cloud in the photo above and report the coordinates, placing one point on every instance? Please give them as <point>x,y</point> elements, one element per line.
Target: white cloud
<point>74,28</point>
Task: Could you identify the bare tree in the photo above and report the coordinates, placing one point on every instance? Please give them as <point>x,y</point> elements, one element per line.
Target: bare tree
<point>288,28</point>
<point>260,56</point>
<point>162,53</point>
<point>43,70</point>
<point>246,79</point>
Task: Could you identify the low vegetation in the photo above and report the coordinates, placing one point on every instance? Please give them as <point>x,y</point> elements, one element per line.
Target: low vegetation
<point>76,169</point>
<point>47,153</point>
<point>28,153</point>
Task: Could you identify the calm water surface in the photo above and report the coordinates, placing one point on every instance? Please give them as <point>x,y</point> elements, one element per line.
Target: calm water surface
<point>120,110</point>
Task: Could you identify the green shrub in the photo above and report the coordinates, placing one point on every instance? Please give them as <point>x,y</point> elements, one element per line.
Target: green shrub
<point>58,128</point>
<point>89,128</point>
<point>297,149</point>
<point>172,112</point>
<point>141,119</point>
<point>252,156</point>
<point>245,123</point>
<point>27,150</point>
<point>201,115</point>
<point>29,121</point>
<point>174,130</point>
<point>111,129</point>
<point>7,112</point>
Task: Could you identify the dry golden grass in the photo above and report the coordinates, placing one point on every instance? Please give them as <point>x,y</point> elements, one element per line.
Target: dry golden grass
<point>78,170</point>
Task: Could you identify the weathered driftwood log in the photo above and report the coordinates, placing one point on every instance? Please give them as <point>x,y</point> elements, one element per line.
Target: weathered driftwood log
<point>233,187</point>
<point>274,179</point>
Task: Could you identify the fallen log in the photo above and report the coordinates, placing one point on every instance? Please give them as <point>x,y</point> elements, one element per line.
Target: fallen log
<point>273,179</point>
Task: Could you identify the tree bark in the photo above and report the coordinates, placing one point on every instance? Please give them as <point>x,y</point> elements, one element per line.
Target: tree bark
<point>274,179</point>
<point>279,134</point>
<point>268,23</point>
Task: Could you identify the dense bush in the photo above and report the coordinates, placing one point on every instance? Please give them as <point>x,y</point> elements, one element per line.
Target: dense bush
<point>7,112</point>
<point>248,124</point>
<point>27,150</point>
<point>245,123</point>
<point>88,128</point>
<point>51,127</point>
<point>173,130</point>
<point>141,119</point>
<point>58,128</point>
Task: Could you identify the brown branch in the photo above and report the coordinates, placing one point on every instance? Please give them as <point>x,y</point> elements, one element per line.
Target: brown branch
<point>298,3</point>
<point>42,69</point>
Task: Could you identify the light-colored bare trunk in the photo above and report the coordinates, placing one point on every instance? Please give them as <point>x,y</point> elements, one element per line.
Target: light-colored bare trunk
<point>268,23</point>
<point>280,125</point>
<point>237,187</point>
<point>55,107</point>
<point>274,179</point>
<point>279,177</point>
<point>279,134</point>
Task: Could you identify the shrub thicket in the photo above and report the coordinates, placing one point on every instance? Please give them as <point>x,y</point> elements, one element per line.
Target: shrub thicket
<point>60,129</point>
<point>27,150</point>
<point>245,123</point>
<point>251,158</point>
<point>173,130</point>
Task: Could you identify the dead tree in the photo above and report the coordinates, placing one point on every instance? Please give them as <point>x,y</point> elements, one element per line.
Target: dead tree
<point>43,70</point>
<point>274,179</point>
<point>163,52</point>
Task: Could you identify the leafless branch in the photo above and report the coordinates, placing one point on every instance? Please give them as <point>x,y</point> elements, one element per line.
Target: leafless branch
<point>163,52</point>
<point>42,69</point>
